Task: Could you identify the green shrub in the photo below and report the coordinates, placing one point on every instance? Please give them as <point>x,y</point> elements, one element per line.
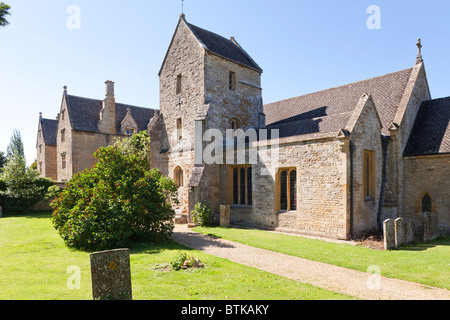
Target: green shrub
<point>202,215</point>
<point>21,187</point>
<point>116,201</point>
<point>178,261</point>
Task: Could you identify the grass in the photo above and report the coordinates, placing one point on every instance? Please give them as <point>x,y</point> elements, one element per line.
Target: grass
<point>34,262</point>
<point>425,263</point>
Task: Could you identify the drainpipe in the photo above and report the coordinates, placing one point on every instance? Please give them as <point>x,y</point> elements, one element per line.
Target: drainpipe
<point>352,150</point>
<point>385,143</point>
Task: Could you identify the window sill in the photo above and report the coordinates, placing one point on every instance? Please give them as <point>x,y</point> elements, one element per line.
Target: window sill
<point>287,212</point>
<point>241,206</point>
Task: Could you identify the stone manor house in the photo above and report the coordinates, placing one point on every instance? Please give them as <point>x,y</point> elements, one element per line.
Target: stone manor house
<point>342,160</point>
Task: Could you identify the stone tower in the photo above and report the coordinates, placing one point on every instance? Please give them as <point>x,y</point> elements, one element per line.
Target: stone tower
<point>206,82</point>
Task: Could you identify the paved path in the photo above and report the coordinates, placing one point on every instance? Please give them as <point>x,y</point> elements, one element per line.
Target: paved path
<point>333,278</point>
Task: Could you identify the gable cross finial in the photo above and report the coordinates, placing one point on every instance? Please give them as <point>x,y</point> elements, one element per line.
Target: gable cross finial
<point>419,58</point>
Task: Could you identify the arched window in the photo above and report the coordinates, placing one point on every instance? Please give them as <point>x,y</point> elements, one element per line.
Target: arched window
<point>242,185</point>
<point>178,176</point>
<point>288,189</point>
<point>426,204</point>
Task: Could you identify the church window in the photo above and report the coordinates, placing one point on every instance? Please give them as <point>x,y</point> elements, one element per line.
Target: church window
<point>234,124</point>
<point>242,185</point>
<point>369,175</point>
<point>179,128</point>
<point>63,161</point>
<point>232,81</point>
<point>40,148</point>
<point>40,167</point>
<point>63,113</point>
<point>179,77</point>
<point>178,176</point>
<point>288,189</point>
<point>63,135</point>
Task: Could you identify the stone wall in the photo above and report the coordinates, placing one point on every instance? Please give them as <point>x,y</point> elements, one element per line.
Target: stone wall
<point>427,175</point>
<point>366,136</point>
<point>64,147</point>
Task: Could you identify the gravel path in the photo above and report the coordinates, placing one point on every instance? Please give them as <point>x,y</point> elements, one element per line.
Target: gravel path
<point>337,279</point>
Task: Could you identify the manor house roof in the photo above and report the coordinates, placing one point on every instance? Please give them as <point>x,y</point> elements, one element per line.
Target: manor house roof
<point>84,114</point>
<point>49,128</point>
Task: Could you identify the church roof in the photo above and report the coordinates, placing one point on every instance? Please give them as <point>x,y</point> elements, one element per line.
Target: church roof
<point>49,129</point>
<point>431,131</point>
<point>227,48</point>
<point>84,114</point>
<point>330,110</point>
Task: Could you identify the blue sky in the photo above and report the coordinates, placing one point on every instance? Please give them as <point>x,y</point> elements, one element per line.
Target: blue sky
<point>302,46</point>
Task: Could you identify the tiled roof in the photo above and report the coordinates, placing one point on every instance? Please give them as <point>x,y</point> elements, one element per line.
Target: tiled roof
<point>49,131</point>
<point>327,111</point>
<point>431,131</point>
<point>224,47</point>
<point>84,114</point>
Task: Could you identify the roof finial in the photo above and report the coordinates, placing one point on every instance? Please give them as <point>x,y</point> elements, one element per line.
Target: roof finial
<point>65,89</point>
<point>419,58</point>
<point>40,115</point>
<point>182,16</point>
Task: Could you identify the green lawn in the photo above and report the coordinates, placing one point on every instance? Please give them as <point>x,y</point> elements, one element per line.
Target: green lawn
<point>34,263</point>
<point>428,263</point>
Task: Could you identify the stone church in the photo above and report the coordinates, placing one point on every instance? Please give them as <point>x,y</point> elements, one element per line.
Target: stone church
<point>334,163</point>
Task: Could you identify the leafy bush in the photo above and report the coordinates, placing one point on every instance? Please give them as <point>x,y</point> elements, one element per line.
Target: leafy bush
<point>21,187</point>
<point>116,201</point>
<point>178,261</point>
<point>202,215</point>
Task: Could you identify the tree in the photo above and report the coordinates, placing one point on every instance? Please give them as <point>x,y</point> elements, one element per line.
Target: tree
<point>2,160</point>
<point>22,187</point>
<point>119,200</point>
<point>15,145</point>
<point>4,11</point>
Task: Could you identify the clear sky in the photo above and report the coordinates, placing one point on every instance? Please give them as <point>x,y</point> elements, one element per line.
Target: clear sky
<point>302,46</point>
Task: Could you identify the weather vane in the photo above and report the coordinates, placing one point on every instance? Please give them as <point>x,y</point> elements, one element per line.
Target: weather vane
<point>182,6</point>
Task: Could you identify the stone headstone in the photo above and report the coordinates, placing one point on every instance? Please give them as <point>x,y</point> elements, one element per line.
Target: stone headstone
<point>427,226</point>
<point>389,234</point>
<point>399,225</point>
<point>111,275</point>
<point>409,230</point>
<point>225,216</point>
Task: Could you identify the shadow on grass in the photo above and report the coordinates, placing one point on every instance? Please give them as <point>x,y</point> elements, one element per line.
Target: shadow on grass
<point>28,214</point>
<point>422,246</point>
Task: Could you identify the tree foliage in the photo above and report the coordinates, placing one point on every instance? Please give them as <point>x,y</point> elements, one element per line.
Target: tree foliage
<point>4,11</point>
<point>15,145</point>
<point>21,188</point>
<point>116,201</point>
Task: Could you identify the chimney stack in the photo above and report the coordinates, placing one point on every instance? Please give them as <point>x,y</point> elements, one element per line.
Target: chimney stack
<point>109,88</point>
<point>107,123</point>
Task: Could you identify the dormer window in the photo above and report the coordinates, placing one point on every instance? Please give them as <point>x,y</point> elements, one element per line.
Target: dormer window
<point>130,131</point>
<point>179,84</point>
<point>232,81</point>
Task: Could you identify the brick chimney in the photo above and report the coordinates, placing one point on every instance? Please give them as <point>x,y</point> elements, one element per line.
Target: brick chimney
<point>107,123</point>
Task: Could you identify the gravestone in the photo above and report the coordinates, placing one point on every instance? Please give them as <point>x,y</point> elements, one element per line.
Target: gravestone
<point>427,226</point>
<point>399,225</point>
<point>389,234</point>
<point>409,226</point>
<point>111,275</point>
<point>225,216</point>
